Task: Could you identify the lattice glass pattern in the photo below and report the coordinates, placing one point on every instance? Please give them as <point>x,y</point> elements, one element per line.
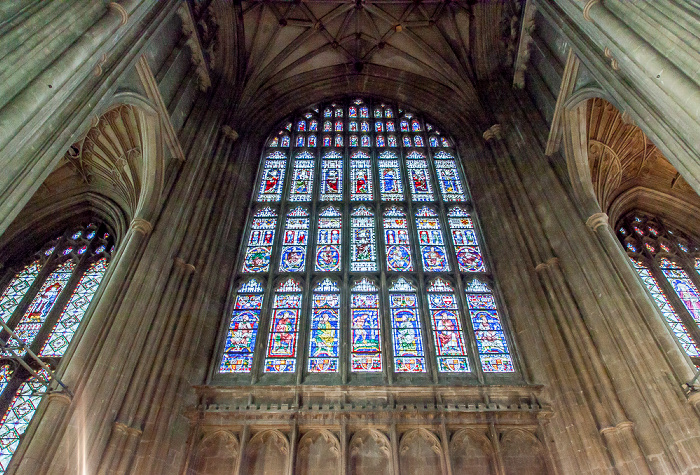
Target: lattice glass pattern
<point>397,240</point>
<point>272,180</point>
<point>490,337</point>
<point>5,375</point>
<point>324,340</point>
<point>465,242</point>
<point>20,283</point>
<point>683,286</point>
<point>243,329</point>
<point>419,177</point>
<point>448,177</point>
<point>295,239</point>
<point>447,328</point>
<point>302,177</point>
<point>432,244</point>
<point>363,256</point>
<point>365,352</point>
<point>262,236</point>
<point>62,333</point>
<point>409,355</point>
<point>328,242</point>
<point>284,327</point>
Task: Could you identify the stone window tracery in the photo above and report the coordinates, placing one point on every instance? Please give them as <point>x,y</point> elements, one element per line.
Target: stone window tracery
<point>382,250</point>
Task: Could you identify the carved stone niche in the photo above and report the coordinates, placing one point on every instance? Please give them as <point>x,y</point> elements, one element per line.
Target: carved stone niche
<point>318,453</point>
<point>267,452</point>
<point>472,452</point>
<point>216,453</point>
<point>370,453</point>
<point>420,453</point>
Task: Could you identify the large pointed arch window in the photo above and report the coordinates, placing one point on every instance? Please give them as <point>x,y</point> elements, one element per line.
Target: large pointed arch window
<point>668,263</point>
<point>44,300</point>
<point>366,264</point>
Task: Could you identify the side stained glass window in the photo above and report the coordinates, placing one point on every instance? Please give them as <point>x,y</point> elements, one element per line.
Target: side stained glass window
<point>409,356</point>
<point>328,245</point>
<point>332,177</point>
<point>397,240</point>
<point>465,242</point>
<point>390,182</point>
<point>360,177</point>
<point>284,328</point>
<point>447,329</point>
<point>419,177</point>
<point>302,178</point>
<point>490,337</point>
<point>432,244</point>
<point>272,179</point>
<point>365,329</point>
<point>14,292</point>
<point>363,257</point>
<point>262,236</point>
<point>324,340</point>
<point>296,234</point>
<point>243,329</point>
<point>448,177</point>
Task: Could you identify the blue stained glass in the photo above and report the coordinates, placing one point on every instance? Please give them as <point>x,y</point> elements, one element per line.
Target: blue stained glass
<point>272,180</point>
<point>326,140</point>
<point>332,177</point>
<point>364,141</point>
<point>404,125</point>
<point>447,328</point>
<point>364,112</point>
<point>353,126</point>
<point>419,177</point>
<point>390,183</point>
<point>300,140</point>
<point>313,125</point>
<point>448,177</point>
<point>396,238</point>
<point>490,338</point>
<point>285,141</point>
<point>434,141</point>
<point>5,375</point>
<point>380,141</point>
<point>392,141</point>
<point>406,328</point>
<point>327,112</point>
<point>296,234</point>
<point>406,141</point>
<point>13,294</point>
<point>243,329</point>
<point>431,241</point>
<point>275,142</point>
<point>354,141</point>
<point>377,113</point>
<point>302,178</point>
<point>445,142</point>
<point>378,126</point>
<point>415,125</point>
<point>366,334</point>
<point>284,325</point>
<point>312,140</point>
<point>338,140</point>
<point>364,126</point>
<point>325,328</point>
<point>363,257</point>
<point>328,243</point>
<point>465,242</point>
<point>262,234</point>
<point>352,112</point>
<point>388,113</point>
<point>338,112</point>
<point>361,188</point>
<point>301,126</point>
<point>390,126</point>
<point>683,286</point>
<point>338,125</point>
<point>328,126</point>
<point>418,141</point>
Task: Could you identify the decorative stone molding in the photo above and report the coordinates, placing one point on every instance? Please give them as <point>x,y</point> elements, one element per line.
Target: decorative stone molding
<point>229,133</point>
<point>98,67</point>
<point>568,84</point>
<point>180,262</point>
<point>60,397</point>
<point>542,266</point>
<point>142,226</point>
<point>587,10</point>
<point>493,133</point>
<point>523,57</point>
<point>127,429</point>
<point>619,427</point>
<point>613,62</point>
<point>189,29</point>
<point>597,220</point>
<point>119,10</point>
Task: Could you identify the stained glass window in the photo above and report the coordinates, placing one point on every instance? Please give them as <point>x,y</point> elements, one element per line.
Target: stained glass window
<point>465,241</point>
<point>363,256</point>
<point>490,336</point>
<point>324,341</point>
<point>262,236</point>
<point>272,179</point>
<point>432,244</point>
<point>19,285</point>
<point>284,327</point>
<point>448,177</point>
<point>361,177</point>
<point>302,178</point>
<point>407,336</point>
<point>332,177</point>
<point>397,240</point>
<point>419,177</point>
<point>328,241</point>
<point>285,141</point>
<point>243,329</point>
<point>414,268</point>
<point>365,353</point>
<point>683,286</point>
<point>296,235</point>
<point>447,328</point>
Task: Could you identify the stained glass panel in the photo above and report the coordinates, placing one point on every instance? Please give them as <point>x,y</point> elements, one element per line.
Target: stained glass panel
<point>360,177</point>
<point>332,177</point>
<point>284,326</point>
<point>363,257</point>
<point>324,340</point>
<point>296,236</point>
<point>409,356</point>
<point>432,244</point>
<point>35,316</point>
<point>392,141</point>
<point>328,245</point>
<point>243,329</point>
<point>397,241</point>
<point>465,242</point>
<point>447,328</point>
<point>683,286</point>
<point>677,327</point>
<point>302,178</point>
<point>365,353</point>
<point>73,313</point>
<point>272,179</point>
<point>490,337</point>
<point>5,375</point>
<point>20,283</point>
<point>419,177</point>
<point>448,177</point>
<point>262,235</point>
<point>390,183</point>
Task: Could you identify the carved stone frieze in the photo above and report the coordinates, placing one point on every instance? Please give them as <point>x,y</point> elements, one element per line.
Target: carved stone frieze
<point>189,30</point>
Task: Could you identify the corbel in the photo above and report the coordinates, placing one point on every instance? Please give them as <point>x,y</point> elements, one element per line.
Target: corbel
<point>526,29</point>
<point>493,133</point>
<point>197,52</point>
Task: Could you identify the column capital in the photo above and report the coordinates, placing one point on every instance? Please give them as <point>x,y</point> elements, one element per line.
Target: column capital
<point>180,262</point>
<point>121,11</point>
<point>547,264</point>
<point>142,226</point>
<point>60,397</point>
<point>597,220</point>
<point>229,132</point>
<point>587,10</point>
<point>493,133</point>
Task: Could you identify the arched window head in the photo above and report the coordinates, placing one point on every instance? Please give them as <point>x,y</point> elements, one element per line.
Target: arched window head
<point>44,300</point>
<point>361,259</point>
<point>668,263</point>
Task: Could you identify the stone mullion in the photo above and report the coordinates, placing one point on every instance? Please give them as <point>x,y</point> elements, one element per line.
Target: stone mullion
<point>563,373</point>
